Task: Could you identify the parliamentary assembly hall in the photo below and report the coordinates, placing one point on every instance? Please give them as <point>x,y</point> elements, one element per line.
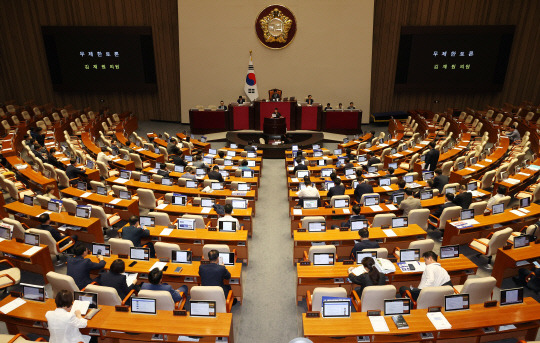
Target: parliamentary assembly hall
<point>400,144</point>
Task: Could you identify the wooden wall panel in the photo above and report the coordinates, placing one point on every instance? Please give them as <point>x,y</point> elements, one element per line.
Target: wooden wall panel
<point>24,73</point>
<point>523,74</point>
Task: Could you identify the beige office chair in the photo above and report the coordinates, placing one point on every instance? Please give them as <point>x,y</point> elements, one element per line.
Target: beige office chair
<point>157,178</point>
<point>120,246</point>
<point>213,293</point>
<point>487,180</point>
<point>447,167</point>
<point>373,297</point>
<point>164,300</point>
<point>219,247</point>
<point>479,289</point>
<point>316,249</point>
<point>105,172</point>
<point>419,217</point>
<point>423,245</point>
<point>116,189</point>
<point>431,296</point>
<point>107,220</point>
<point>478,207</point>
<point>368,195</point>
<point>108,296</point>
<point>504,200</point>
<point>10,276</point>
<point>70,205</point>
<point>384,219</point>
<point>147,199</point>
<point>18,228</point>
<point>447,214</point>
<point>60,281</point>
<point>55,248</point>
<point>161,218</point>
<point>381,252</point>
<point>164,250</point>
<point>304,223</point>
<point>531,231</point>
<point>15,193</point>
<point>489,246</point>
<point>95,184</point>
<point>314,301</point>
<point>339,197</point>
<point>199,220</point>
<point>42,200</point>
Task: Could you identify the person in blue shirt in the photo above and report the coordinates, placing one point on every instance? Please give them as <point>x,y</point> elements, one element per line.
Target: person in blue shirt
<point>244,165</point>
<point>154,277</point>
<point>79,267</point>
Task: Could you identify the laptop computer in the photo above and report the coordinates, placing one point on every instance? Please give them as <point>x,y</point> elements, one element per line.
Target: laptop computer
<point>449,251</point>
<point>456,302</point>
<point>397,306</point>
<point>336,309</point>
<point>360,255</point>
<point>310,203</point>
<point>143,305</point>
<point>450,190</point>
<point>521,241</point>
<point>125,195</point>
<point>207,202</point>
<point>5,231</point>
<point>28,200</point>
<point>181,256</point>
<point>426,194</point>
<point>227,226</point>
<point>408,178</point>
<point>244,187</point>
<point>371,200</point>
<point>428,175</point>
<point>179,200</point>
<point>101,249</point>
<point>400,222</point>
<point>191,184</point>
<point>33,292</point>
<point>393,165</point>
<point>217,186</point>
<point>359,224</point>
<point>239,203</point>
<point>472,186</point>
<point>54,206</point>
<point>525,202</point>
<point>341,203</point>
<point>144,178</point>
<point>467,214</point>
<point>81,186</point>
<point>125,174</point>
<point>326,172</point>
<point>384,181</point>
<point>179,169</point>
<point>397,198</point>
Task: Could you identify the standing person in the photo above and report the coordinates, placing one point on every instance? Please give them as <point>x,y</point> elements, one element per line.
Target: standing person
<point>214,274</point>
<point>222,106</point>
<point>309,100</point>
<point>371,276</point>
<point>433,276</point>
<point>432,158</point>
<point>62,324</point>
<point>276,113</point>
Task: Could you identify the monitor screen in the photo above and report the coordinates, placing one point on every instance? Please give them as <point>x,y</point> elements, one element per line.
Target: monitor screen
<point>83,212</point>
<point>473,160</point>
<point>359,224</point>
<point>102,190</point>
<point>393,165</point>
<point>472,186</point>
<point>326,172</point>
<point>525,202</point>
<point>310,203</point>
<point>188,158</point>
<point>384,181</point>
<point>328,185</point>
<point>81,185</point>
<point>185,224</point>
<point>362,158</point>
<point>227,226</point>
<point>456,302</point>
<point>294,147</point>
<point>89,164</point>
<point>212,151</point>
<point>239,203</point>
<point>217,186</point>
<point>125,195</point>
<point>449,251</point>
<point>178,169</point>
<point>31,239</point>
<point>224,173</point>
<point>521,241</point>
<point>467,214</point>
<point>143,305</point>
<point>372,170</point>
<point>321,162</point>
<point>166,181</point>
<point>244,187</point>
<point>200,171</point>
<point>460,165</point>
<point>397,306</point>
<point>233,146</point>
<point>191,184</point>
<point>231,153</point>
<point>179,200</point>
<point>146,221</point>
<point>228,162</point>
<point>316,146</point>
<point>360,255</point>
<point>5,231</point>
<point>208,160</point>
<point>400,222</point>
<point>323,259</point>
<point>371,200</point>
<point>91,298</point>
<point>336,309</point>
<point>28,200</point>
<point>202,308</point>
<point>251,154</point>
<point>349,171</point>
<point>125,174</point>
<point>33,292</point>
<point>408,178</point>
<point>341,203</point>
<point>497,208</point>
<point>207,202</point>
<point>428,175</point>
<point>426,194</point>
<point>397,198</point>
<point>101,249</point>
<point>251,163</point>
<point>247,173</point>
<point>53,206</point>
<point>337,152</point>
<point>511,296</point>
<point>181,256</point>
<point>407,255</point>
<point>450,190</point>
<point>316,226</point>
<point>141,254</point>
<point>302,173</point>
<point>226,258</point>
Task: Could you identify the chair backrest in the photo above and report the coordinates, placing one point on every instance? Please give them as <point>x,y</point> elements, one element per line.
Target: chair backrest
<point>447,167</point>
<point>324,249</point>
<point>163,250</point>
<point>498,240</point>
<point>504,200</point>
<point>447,214</point>
<point>449,185</point>
<point>117,188</point>
<point>339,197</point>
<point>368,195</point>
<point>219,247</point>
<point>424,245</point>
<point>43,201</point>
<point>381,252</point>
<point>479,289</point>
<point>120,246</point>
<point>478,207</point>
<point>46,238</point>
<point>382,219</point>
<point>210,293</point>
<point>164,300</point>
<point>103,169</point>
<point>419,217</point>
<point>61,281</point>
<point>319,292</point>
<point>146,198</point>
<point>487,179</point>
<point>70,205</point>
<point>199,220</point>
<point>433,296</point>
<point>373,297</point>
<point>95,184</point>
<point>136,160</point>
<point>161,218</point>
<point>312,219</point>
<point>18,230</point>
<point>99,212</point>
<point>106,295</point>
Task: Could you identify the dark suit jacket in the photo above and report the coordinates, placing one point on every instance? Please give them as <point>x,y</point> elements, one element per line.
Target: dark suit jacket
<point>365,244</point>
<point>362,189</point>
<point>336,190</point>
<point>54,233</point>
<point>373,160</point>
<point>249,148</point>
<point>432,158</point>
<point>170,146</point>
<point>54,162</point>
<point>464,200</point>
<point>364,280</point>
<point>309,101</point>
<point>240,101</point>
<point>440,181</point>
<point>135,234</point>
<point>116,281</point>
<point>441,208</point>
<point>162,287</point>
<point>177,160</point>
<point>353,217</point>
<point>213,275</point>
<point>215,175</point>
<point>79,269</point>
<point>163,173</point>
<point>300,167</point>
<point>73,172</point>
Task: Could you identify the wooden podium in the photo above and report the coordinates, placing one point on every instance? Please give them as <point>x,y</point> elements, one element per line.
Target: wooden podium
<point>274,126</point>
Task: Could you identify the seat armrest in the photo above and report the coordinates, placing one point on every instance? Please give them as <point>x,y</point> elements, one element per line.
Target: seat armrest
<point>306,257</point>
<point>180,304</point>
<point>409,295</point>
<point>356,301</point>
<point>128,296</point>
<point>8,262</point>
<point>91,283</point>
<point>66,246</point>
<point>13,281</point>
<point>16,337</point>
<point>309,300</point>
<point>207,225</point>
<point>229,301</point>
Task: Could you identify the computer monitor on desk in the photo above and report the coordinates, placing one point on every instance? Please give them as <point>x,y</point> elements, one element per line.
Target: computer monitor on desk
<point>227,226</point>
<point>143,305</point>
<point>28,200</point>
<point>449,251</point>
<point>202,308</point>
<point>341,203</point>
<point>408,178</point>
<point>511,296</point>
<point>92,298</point>
<point>359,224</point>
<point>185,224</point>
<point>521,241</point>
<point>497,208</point>
<point>371,200</point>
<point>397,198</point>
<point>101,249</point>
<point>408,255</point>
<point>456,302</point>
<point>360,255</point>
<point>336,309</point>
<point>181,256</point>
<point>302,173</point>
<point>472,186</point>
<point>525,202</point>
<point>31,239</point>
<point>139,254</point>
<point>426,194</point>
<point>394,307</point>
<point>5,231</point>
<point>384,181</point>
<point>179,200</point>
<point>467,214</point>
<point>400,222</point>
<point>323,259</point>
<point>226,258</point>
<point>146,221</point>
<point>316,227</point>
<point>309,203</point>
<point>33,292</point>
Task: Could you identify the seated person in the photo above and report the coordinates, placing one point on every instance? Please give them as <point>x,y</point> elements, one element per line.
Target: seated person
<point>501,192</point>
<point>73,172</point>
<point>227,217</point>
<point>214,274</point>
<point>240,100</point>
<point>309,191</point>
<point>464,197</point>
<point>300,165</point>
<point>276,96</point>
<point>351,106</point>
<point>371,276</point>
<point>48,192</point>
<point>276,113</point>
<point>347,164</point>
<point>154,284</point>
<point>362,188</point>
<point>177,157</point>
<point>340,106</point>
<point>440,180</point>
<point>390,171</point>
<point>62,324</point>
<point>53,161</point>
<point>328,107</point>
<point>244,165</point>
<point>214,174</point>
<point>135,233</point>
<point>222,106</point>
<point>338,189</point>
<point>116,279</point>
<point>163,170</point>
<point>250,147</point>
<point>513,135</point>
<point>45,224</point>
<point>409,203</point>
<point>372,159</point>
<point>401,187</point>
<point>171,145</point>
<point>433,276</point>
<point>356,216</point>
<point>103,157</point>
<point>365,243</point>
<point>523,274</point>
<point>79,267</point>
<point>309,100</point>
<point>189,173</point>
<point>199,162</point>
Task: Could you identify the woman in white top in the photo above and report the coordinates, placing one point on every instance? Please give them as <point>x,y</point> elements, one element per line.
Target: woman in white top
<point>63,325</point>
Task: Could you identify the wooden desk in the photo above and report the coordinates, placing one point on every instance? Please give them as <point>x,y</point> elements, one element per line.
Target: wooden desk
<point>311,277</point>
<point>505,263</point>
<point>486,225</point>
<point>93,149</point>
<point>407,154</point>
<point>40,262</point>
<point>353,144</point>
<point>526,177</point>
<point>345,240</point>
<point>467,326</point>
<point>125,208</point>
<point>36,180</point>
<point>196,143</point>
<point>91,230</point>
<point>123,326</point>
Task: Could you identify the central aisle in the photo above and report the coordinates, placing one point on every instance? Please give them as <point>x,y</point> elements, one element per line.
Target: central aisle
<point>269,312</point>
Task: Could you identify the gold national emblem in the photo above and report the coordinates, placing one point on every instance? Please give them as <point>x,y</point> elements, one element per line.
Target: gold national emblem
<point>276,26</point>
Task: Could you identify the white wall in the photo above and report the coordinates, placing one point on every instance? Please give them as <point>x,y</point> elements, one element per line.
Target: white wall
<point>330,56</point>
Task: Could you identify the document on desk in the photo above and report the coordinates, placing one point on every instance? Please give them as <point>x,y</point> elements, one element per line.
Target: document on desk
<point>188,339</point>
<point>358,270</point>
<point>85,194</point>
<point>297,212</point>
<point>389,233</point>
<point>121,180</point>
<point>507,327</point>
<point>439,321</point>
<point>131,278</point>
<point>346,211</point>
<point>115,201</point>
<point>397,155</point>
<point>294,179</point>
<point>391,207</point>
<point>378,323</point>
<point>524,210</point>
<point>31,251</point>
<point>159,265</point>
<point>479,165</point>
<point>387,188</point>
<point>206,210</point>
<point>524,174</point>
<point>166,232</point>
<point>161,206</point>
<point>517,213</point>
<point>376,208</point>
<point>512,181</point>
<point>470,169</point>
<point>80,305</point>
<point>10,306</point>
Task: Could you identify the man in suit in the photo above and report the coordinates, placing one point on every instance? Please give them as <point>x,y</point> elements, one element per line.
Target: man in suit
<point>171,145</point>
<point>53,161</point>
<point>362,188</point>
<point>214,174</point>
<point>449,203</point>
<point>154,278</point>
<point>513,135</point>
<point>135,233</point>
<point>432,158</point>
<point>189,174</point>
<point>440,180</point>
<point>409,203</point>
<point>240,100</point>
<point>276,113</point>
<point>356,216</point>
<point>464,198</point>
<point>163,170</point>
<point>309,100</point>
<point>199,162</point>
<point>328,107</point>
<point>300,165</point>
<point>176,157</point>
<point>103,157</point>
<point>116,279</point>
<point>250,147</point>
<point>79,267</point>
<point>275,96</point>
<point>213,274</point>
<point>338,189</point>
<point>340,106</point>
<point>372,159</point>
<point>45,224</point>
<point>365,243</point>
<point>222,106</point>
<point>73,172</point>
<point>351,106</point>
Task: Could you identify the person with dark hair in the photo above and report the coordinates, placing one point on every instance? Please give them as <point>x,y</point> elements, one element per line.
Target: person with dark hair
<point>62,324</point>
<point>300,165</point>
<point>365,243</point>
<point>171,145</point>
<point>53,161</point>
<point>440,180</point>
<point>348,164</point>
<point>177,157</point>
<point>154,278</point>
<point>244,165</point>
<point>103,157</point>
<point>432,157</point>
<point>433,276</point>
<point>309,100</point>
<point>349,154</point>
<point>390,171</point>
<point>309,191</point>
<point>356,216</point>
<point>371,276</point>
<point>351,106</point>
<point>213,274</point>
<point>222,106</point>
<point>363,188</point>
<point>409,203</point>
<point>250,147</point>
<point>199,162</point>
<point>372,159</point>
<point>115,278</point>
<point>240,100</point>
<point>525,279</point>
<point>328,107</point>
<point>276,113</point>
<point>163,170</point>
<point>338,189</point>
<point>340,106</point>
<point>449,203</point>
<point>501,192</point>
<point>228,209</point>
<point>189,173</point>
<point>79,267</point>
<point>464,197</point>
<point>214,174</point>
<point>135,233</point>
<point>45,224</point>
<point>513,135</point>
<point>73,172</point>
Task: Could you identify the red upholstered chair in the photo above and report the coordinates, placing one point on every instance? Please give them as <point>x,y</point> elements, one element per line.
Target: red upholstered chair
<point>275,90</point>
